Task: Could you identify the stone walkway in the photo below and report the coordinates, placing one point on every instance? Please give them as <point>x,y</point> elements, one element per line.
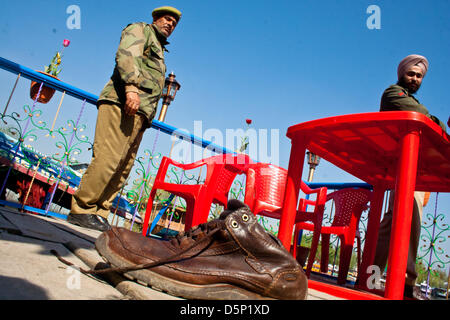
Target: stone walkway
<point>28,269</point>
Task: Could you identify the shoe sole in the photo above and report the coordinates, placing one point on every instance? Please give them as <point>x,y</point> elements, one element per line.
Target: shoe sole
<point>220,291</point>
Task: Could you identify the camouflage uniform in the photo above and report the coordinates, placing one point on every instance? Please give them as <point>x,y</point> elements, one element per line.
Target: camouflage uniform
<point>139,68</point>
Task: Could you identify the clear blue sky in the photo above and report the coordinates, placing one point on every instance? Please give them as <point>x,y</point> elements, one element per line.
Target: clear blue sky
<point>276,62</point>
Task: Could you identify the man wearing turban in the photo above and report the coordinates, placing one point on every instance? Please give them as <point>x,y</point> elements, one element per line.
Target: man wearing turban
<point>399,97</point>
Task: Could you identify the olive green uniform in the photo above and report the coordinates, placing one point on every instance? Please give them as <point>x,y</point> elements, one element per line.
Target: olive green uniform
<point>397,98</point>
<point>139,68</point>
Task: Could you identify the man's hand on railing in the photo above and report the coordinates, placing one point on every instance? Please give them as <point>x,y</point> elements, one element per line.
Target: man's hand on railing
<point>132,103</point>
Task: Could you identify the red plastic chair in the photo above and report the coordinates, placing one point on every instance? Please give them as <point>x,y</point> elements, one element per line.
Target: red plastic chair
<point>349,205</point>
<point>220,173</point>
<point>264,194</point>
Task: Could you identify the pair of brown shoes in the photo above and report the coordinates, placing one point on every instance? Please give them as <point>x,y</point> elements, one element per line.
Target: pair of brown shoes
<point>232,257</point>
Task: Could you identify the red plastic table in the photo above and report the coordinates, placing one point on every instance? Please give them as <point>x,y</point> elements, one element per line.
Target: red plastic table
<point>400,150</point>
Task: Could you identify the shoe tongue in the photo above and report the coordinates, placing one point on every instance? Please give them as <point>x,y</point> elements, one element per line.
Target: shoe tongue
<point>232,206</point>
<point>198,232</point>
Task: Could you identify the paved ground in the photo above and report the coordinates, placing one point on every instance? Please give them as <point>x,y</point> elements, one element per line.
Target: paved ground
<point>28,269</point>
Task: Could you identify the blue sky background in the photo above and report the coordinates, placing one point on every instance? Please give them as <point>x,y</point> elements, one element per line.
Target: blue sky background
<point>276,62</point>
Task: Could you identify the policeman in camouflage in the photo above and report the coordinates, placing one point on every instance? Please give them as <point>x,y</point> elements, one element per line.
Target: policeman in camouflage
<point>139,68</point>
<point>126,107</point>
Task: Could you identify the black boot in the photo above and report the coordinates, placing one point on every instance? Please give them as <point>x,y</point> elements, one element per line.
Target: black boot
<point>90,221</point>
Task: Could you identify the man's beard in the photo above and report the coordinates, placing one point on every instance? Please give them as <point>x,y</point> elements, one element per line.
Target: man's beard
<point>409,87</point>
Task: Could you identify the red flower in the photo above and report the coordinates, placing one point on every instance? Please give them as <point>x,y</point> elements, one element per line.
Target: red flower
<point>66,43</point>
<point>249,121</point>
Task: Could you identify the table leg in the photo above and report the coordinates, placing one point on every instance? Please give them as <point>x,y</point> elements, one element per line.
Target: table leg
<point>293,182</point>
<point>373,224</point>
<point>402,215</point>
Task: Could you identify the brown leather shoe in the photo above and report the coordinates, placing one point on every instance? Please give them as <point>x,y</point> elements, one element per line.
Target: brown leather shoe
<point>232,257</point>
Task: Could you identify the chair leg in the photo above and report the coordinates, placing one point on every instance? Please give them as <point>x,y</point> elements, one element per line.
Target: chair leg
<point>148,212</point>
<point>324,257</point>
<point>358,247</point>
<point>312,252</point>
<point>344,263</point>
<point>293,250</point>
<point>204,213</point>
<point>189,215</point>
<point>195,215</point>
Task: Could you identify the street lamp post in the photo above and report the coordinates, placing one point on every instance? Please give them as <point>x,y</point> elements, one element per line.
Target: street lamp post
<point>171,86</point>
<point>313,161</point>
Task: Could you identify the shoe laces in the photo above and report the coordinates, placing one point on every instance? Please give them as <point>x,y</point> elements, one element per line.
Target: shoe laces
<point>199,234</point>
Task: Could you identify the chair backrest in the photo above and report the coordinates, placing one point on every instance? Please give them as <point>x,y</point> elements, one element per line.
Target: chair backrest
<point>221,172</point>
<point>265,186</point>
<point>349,204</point>
<point>224,180</point>
<point>232,162</point>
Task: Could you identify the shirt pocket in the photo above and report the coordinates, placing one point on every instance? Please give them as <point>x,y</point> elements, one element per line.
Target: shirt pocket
<point>155,58</point>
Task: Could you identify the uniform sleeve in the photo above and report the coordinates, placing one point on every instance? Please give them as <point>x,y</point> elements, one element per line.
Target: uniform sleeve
<point>439,122</point>
<point>394,99</point>
<point>129,56</point>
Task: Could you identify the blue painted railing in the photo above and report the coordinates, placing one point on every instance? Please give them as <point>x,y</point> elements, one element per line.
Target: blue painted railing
<point>338,185</point>
<point>49,81</point>
<point>92,99</point>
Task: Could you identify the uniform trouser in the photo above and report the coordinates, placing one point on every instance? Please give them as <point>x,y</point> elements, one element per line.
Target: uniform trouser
<point>116,142</point>
<point>384,235</point>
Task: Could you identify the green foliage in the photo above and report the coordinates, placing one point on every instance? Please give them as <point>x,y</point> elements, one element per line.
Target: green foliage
<point>52,68</point>
<point>438,277</point>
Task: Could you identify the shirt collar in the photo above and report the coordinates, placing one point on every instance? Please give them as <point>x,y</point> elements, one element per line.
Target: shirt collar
<point>161,37</point>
